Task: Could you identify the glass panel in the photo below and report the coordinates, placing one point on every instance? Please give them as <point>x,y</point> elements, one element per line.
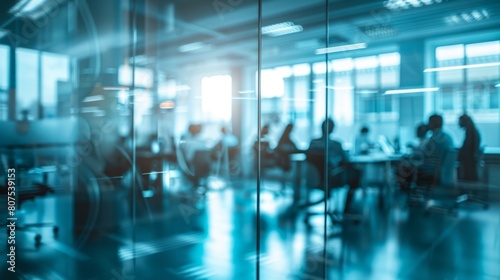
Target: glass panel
<point>55,78</point>
<point>294,120</point>
<point>157,139</point>
<point>27,81</point>
<point>4,67</point>
<point>195,139</point>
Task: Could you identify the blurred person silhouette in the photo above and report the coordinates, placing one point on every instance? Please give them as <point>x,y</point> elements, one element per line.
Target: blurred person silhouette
<point>468,154</point>
<point>362,142</point>
<point>285,148</point>
<point>268,158</point>
<point>196,155</point>
<point>336,158</point>
<point>435,151</point>
<point>420,137</point>
<point>409,162</point>
<point>429,164</point>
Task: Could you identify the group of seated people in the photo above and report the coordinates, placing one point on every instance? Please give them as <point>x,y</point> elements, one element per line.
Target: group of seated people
<point>337,158</point>
<point>432,160</point>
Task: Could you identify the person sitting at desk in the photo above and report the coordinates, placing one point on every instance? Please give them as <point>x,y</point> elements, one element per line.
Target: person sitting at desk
<point>266,151</point>
<point>285,148</point>
<point>336,158</point>
<point>430,159</point>
<point>362,143</point>
<point>421,137</point>
<point>196,153</point>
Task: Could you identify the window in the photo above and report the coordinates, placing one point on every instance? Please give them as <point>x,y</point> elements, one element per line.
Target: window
<point>55,69</point>
<point>216,97</point>
<point>374,75</point>
<point>40,78</point>
<point>27,81</point>
<point>343,91</point>
<point>479,93</point>
<point>272,84</point>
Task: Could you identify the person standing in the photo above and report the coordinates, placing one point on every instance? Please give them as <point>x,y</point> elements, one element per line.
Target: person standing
<point>468,154</point>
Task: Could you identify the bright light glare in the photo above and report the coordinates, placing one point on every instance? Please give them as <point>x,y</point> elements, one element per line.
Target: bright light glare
<point>458,67</point>
<point>342,48</point>
<point>410,90</point>
<point>216,97</point>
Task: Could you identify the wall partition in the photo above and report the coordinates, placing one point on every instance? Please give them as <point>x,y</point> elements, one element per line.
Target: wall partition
<point>237,139</point>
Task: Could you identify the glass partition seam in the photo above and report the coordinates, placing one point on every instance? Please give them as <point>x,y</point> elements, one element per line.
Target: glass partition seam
<point>327,43</point>
<point>133,131</point>
<point>259,109</point>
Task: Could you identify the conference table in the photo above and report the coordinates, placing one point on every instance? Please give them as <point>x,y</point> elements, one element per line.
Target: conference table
<point>377,171</point>
<point>366,163</point>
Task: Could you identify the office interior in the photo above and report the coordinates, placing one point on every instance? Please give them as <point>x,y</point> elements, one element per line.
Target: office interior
<point>100,103</point>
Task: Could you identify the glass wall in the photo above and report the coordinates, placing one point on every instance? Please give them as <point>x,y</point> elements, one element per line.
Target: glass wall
<point>233,139</point>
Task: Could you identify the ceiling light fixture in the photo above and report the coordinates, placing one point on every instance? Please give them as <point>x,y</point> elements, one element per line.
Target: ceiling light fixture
<point>93,98</point>
<point>192,47</point>
<point>281,29</point>
<point>459,67</point>
<point>112,88</point>
<point>410,90</point>
<point>341,48</point>
<point>378,30</point>
<point>467,17</point>
<point>34,9</point>
<point>407,4</point>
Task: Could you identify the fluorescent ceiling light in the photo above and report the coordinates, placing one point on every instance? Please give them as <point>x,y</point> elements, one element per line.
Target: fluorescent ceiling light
<point>467,17</point>
<point>497,85</point>
<point>367,91</point>
<point>93,98</point>
<point>192,47</point>
<point>458,67</point>
<point>340,87</point>
<point>342,48</point>
<point>246,91</point>
<point>34,9</point>
<point>410,90</point>
<point>407,4</point>
<point>280,29</point>
<point>26,6</point>
<point>115,88</point>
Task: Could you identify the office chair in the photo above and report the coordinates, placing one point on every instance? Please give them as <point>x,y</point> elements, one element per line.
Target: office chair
<point>436,191</point>
<point>198,170</point>
<point>475,191</point>
<point>27,193</point>
<point>116,167</point>
<point>337,178</point>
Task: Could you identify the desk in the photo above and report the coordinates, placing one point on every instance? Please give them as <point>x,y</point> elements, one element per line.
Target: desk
<point>364,161</point>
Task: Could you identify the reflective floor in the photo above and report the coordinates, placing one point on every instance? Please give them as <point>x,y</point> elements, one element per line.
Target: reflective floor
<point>213,236</point>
